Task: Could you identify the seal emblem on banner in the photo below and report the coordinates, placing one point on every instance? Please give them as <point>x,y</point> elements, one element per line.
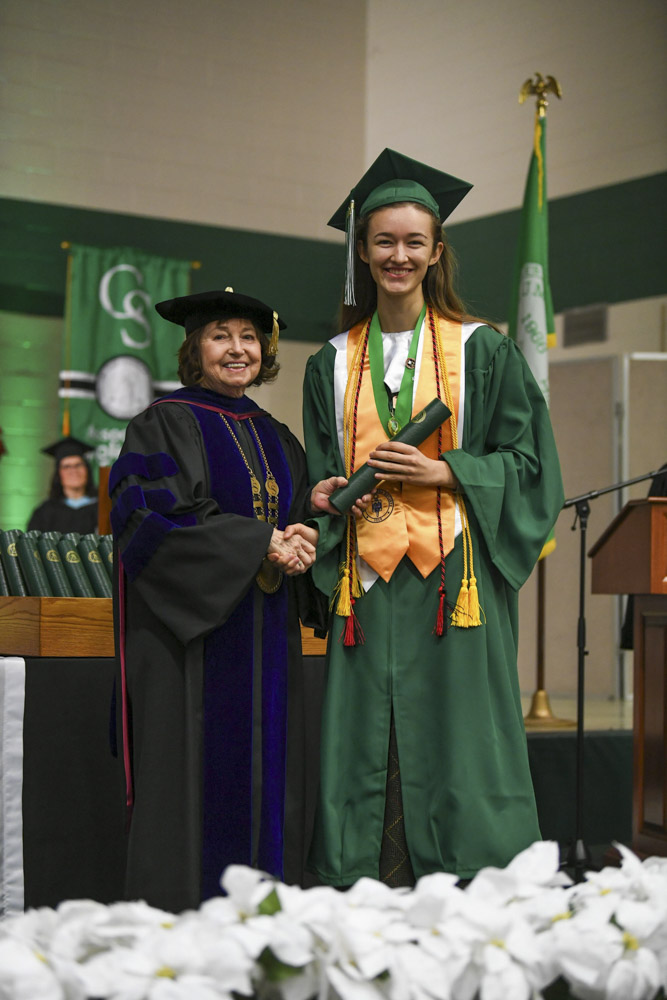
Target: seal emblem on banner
<point>380,507</point>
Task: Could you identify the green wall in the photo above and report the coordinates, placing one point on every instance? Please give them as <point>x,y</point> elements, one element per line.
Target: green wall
<point>606,245</point>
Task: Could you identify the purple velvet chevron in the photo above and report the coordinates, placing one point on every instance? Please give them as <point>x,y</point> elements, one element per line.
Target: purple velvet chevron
<point>135,498</point>
<point>147,539</point>
<point>149,467</point>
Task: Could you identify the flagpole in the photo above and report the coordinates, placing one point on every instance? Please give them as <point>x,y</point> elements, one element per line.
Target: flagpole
<point>540,715</point>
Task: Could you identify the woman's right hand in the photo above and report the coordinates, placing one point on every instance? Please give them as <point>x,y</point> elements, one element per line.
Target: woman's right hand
<point>293,555</point>
<point>321,492</point>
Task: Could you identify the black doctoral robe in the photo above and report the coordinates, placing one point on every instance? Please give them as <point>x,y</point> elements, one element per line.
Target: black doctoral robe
<point>211,664</point>
<point>56,515</point>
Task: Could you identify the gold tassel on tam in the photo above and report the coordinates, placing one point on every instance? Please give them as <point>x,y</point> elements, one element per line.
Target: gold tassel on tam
<point>273,343</point>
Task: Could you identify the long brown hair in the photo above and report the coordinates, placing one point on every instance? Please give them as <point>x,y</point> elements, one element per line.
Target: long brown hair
<point>189,358</point>
<point>438,285</point>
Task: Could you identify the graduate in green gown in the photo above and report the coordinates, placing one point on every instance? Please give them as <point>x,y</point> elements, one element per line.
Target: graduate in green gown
<point>424,759</point>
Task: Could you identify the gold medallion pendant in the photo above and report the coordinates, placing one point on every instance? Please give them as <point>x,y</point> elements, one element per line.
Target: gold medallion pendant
<point>269,577</point>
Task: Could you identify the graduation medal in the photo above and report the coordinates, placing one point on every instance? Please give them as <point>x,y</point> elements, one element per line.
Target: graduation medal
<point>269,578</point>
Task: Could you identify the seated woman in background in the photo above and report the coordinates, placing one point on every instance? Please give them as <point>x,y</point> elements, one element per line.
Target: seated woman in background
<point>209,495</point>
<point>72,502</point>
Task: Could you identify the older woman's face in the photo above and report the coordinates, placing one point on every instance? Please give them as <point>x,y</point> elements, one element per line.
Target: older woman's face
<point>231,356</point>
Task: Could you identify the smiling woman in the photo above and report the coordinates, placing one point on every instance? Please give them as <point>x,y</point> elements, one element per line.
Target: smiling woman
<point>424,761</point>
<point>209,498</point>
<point>231,356</point>
<point>72,502</point>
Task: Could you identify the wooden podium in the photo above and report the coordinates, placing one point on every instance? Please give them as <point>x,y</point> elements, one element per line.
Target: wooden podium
<point>631,558</point>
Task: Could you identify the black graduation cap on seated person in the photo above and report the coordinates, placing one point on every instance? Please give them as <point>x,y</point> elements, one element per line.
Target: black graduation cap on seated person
<point>195,311</point>
<point>391,179</point>
<point>67,446</point>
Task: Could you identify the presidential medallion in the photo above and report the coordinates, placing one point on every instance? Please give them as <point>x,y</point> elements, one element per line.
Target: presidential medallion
<point>269,577</point>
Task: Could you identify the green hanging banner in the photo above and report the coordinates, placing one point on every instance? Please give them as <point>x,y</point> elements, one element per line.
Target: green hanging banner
<point>119,355</point>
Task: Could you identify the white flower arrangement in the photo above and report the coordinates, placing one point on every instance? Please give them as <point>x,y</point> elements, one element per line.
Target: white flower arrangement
<point>524,932</point>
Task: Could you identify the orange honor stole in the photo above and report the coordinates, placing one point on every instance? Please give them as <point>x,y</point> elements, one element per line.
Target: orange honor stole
<point>402,520</point>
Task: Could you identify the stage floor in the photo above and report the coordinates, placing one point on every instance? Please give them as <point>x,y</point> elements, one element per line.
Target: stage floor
<point>599,714</point>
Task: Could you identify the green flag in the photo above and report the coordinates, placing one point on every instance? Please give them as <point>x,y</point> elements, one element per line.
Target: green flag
<point>531,318</point>
<point>119,355</point>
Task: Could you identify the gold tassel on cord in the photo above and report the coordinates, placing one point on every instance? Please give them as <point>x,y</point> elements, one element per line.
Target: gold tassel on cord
<point>349,588</point>
<point>474,609</point>
<point>341,594</point>
<point>467,613</point>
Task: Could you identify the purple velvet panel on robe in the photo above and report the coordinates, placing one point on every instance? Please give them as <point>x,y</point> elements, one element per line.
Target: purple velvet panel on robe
<point>228,752</point>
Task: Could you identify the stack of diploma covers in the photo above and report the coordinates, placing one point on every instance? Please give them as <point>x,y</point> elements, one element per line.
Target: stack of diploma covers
<point>49,564</point>
<point>420,427</point>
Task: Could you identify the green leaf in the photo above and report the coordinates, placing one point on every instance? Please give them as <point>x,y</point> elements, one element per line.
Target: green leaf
<point>276,971</point>
<point>270,905</point>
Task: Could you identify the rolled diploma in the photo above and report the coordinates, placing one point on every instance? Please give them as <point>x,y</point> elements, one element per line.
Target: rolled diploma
<point>363,480</point>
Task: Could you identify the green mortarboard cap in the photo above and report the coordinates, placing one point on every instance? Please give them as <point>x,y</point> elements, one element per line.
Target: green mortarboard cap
<point>394,178</point>
<point>67,446</point>
<point>194,311</point>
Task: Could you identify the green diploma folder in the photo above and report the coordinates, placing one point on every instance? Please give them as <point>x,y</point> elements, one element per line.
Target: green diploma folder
<point>363,480</point>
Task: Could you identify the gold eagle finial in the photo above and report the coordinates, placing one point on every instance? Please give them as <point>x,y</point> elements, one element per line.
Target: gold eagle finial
<point>540,86</point>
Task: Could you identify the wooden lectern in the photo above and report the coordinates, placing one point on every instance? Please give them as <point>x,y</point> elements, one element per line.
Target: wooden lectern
<point>631,558</point>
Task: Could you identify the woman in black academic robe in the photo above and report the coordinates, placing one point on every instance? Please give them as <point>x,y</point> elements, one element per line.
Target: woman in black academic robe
<point>208,495</point>
<point>72,500</point>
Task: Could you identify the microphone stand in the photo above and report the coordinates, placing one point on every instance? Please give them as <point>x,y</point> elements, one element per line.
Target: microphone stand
<point>579,856</point>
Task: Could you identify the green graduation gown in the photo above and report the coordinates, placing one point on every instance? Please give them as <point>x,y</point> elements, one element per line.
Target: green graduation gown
<point>467,793</point>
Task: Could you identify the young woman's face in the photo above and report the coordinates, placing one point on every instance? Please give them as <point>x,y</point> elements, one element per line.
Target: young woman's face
<point>231,356</point>
<point>73,475</point>
<point>399,248</point>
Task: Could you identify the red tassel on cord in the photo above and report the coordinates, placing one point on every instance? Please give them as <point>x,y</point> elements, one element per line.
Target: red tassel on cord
<point>441,621</point>
<point>353,633</point>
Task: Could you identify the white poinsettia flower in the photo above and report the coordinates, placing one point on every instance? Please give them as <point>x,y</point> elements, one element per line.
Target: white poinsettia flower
<point>350,988</point>
<point>433,897</point>
<point>585,948</point>
<point>191,951</point>
<point>373,893</point>
<point>289,941</point>
<point>641,880</point>
<point>188,988</point>
<point>527,875</point>
<point>543,910</point>
<point>34,927</point>
<point>359,944</point>
<point>609,960</point>
<point>492,945</point>
<point>25,974</point>
<point>310,908</point>
<point>246,888</point>
<point>85,927</point>
<point>418,975</point>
